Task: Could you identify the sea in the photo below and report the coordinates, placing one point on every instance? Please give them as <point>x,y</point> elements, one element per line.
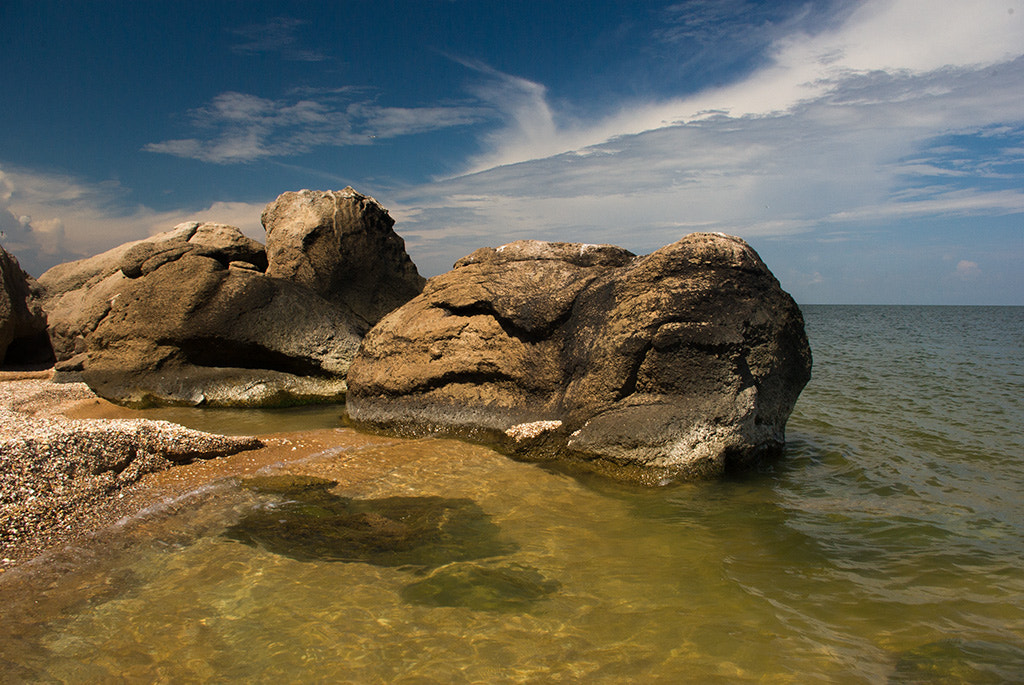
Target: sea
<point>885,546</point>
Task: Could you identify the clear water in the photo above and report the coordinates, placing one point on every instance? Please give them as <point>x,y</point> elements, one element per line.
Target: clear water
<point>886,546</point>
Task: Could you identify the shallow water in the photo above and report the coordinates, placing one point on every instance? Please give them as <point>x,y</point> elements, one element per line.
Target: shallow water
<point>228,421</point>
<point>885,546</point>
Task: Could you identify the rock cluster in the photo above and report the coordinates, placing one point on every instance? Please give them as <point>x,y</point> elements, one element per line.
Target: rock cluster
<point>679,364</point>
<point>204,315</point>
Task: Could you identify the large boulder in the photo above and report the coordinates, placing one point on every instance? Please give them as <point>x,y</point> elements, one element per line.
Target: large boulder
<point>22,320</point>
<point>190,317</point>
<point>342,246</point>
<point>680,364</point>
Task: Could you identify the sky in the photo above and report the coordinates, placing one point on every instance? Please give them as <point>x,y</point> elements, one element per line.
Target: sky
<point>870,151</point>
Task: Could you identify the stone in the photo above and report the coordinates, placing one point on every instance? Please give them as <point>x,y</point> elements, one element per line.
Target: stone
<point>174,319</point>
<point>680,364</point>
<point>342,246</point>
<point>504,587</point>
<point>23,336</point>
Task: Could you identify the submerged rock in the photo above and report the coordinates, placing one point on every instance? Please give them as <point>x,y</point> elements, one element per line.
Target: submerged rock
<point>679,364</point>
<point>481,587</point>
<point>303,520</point>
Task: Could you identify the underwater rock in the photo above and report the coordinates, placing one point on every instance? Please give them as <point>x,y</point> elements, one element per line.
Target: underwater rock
<point>506,587</point>
<point>960,661</point>
<point>301,519</point>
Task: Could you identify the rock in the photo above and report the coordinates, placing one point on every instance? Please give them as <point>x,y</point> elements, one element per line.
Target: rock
<point>189,317</point>
<point>22,321</point>
<point>680,364</point>
<point>341,245</point>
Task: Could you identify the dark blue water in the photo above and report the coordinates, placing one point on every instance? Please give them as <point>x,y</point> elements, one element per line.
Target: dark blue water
<point>887,546</point>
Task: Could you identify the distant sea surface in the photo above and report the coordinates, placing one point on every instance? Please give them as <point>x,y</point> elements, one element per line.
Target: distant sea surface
<point>886,546</point>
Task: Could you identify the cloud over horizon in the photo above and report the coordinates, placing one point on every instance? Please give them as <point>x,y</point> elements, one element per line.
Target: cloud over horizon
<point>48,219</point>
<point>840,131</point>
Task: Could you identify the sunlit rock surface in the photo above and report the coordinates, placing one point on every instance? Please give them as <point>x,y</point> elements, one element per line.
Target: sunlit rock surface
<point>200,315</point>
<point>680,364</point>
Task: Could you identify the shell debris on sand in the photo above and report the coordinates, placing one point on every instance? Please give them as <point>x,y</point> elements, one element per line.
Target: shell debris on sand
<point>56,472</point>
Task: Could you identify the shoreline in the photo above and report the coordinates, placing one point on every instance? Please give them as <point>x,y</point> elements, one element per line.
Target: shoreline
<point>33,409</point>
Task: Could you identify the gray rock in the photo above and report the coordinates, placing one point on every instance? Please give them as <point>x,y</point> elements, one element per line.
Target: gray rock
<point>680,364</point>
<point>22,320</point>
<point>341,245</point>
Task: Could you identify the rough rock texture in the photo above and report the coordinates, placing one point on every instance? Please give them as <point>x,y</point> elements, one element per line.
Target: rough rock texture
<point>54,470</point>
<point>341,245</point>
<point>22,321</point>
<point>679,364</point>
<point>189,317</point>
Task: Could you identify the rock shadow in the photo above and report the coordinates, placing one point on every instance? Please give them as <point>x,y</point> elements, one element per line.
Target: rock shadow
<point>299,518</point>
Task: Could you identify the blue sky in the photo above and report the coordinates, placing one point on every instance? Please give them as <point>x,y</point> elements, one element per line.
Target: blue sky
<point>872,152</point>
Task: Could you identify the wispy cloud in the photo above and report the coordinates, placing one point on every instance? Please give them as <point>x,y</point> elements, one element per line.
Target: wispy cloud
<point>889,38</point>
<point>845,125</point>
<point>239,127</point>
<point>280,36</point>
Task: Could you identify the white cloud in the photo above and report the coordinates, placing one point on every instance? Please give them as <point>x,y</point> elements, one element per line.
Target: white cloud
<point>967,270</point>
<point>842,128</point>
<point>899,37</point>
<point>239,127</point>
<point>280,36</point>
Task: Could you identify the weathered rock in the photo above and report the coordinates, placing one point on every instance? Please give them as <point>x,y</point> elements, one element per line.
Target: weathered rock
<point>341,245</point>
<point>189,316</point>
<point>679,364</point>
<point>22,321</point>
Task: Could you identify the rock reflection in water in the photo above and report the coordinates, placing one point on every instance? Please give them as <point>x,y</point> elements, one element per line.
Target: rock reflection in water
<point>302,520</point>
<point>508,587</point>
